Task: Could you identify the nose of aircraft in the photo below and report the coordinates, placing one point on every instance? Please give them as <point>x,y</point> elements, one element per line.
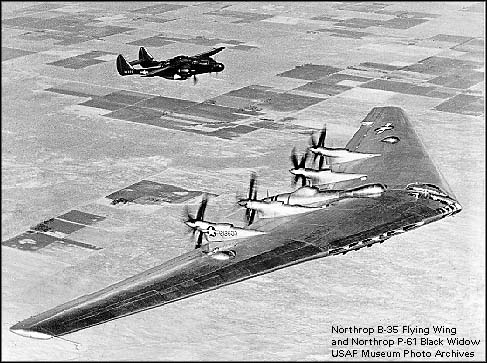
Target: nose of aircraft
<point>219,67</point>
<point>190,224</point>
<point>292,171</point>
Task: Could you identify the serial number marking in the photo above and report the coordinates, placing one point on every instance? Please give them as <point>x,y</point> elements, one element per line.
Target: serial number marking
<point>227,233</point>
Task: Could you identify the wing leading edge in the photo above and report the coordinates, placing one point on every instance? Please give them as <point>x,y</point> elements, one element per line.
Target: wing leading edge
<point>208,53</point>
<point>346,225</point>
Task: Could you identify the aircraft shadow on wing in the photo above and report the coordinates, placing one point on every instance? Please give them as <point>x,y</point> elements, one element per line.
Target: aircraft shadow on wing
<point>181,67</point>
<point>392,187</point>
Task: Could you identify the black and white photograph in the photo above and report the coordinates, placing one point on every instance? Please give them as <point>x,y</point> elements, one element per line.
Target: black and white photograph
<point>243,181</point>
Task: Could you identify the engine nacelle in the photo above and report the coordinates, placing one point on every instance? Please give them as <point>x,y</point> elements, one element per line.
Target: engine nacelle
<point>365,191</point>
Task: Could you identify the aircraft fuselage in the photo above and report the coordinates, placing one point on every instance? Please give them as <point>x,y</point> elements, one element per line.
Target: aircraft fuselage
<point>186,67</point>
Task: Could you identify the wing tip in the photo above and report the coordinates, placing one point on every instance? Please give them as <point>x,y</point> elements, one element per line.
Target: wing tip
<point>19,329</point>
<point>391,110</point>
<point>381,116</point>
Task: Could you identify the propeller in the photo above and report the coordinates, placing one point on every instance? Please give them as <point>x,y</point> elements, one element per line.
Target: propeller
<point>321,162</point>
<point>188,218</point>
<point>195,80</point>
<point>201,210</point>
<point>321,140</point>
<point>320,143</point>
<point>199,242</point>
<point>298,165</point>
<point>250,213</point>
<point>294,158</point>
<point>191,220</point>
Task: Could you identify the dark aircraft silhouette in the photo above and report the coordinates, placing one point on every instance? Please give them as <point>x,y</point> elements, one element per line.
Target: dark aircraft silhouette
<point>181,67</point>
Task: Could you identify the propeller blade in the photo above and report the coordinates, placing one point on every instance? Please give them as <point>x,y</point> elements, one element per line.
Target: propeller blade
<point>252,186</point>
<point>187,217</point>
<point>322,159</point>
<point>252,216</point>
<point>195,80</point>
<point>303,183</point>
<point>313,141</point>
<point>199,242</point>
<point>252,196</point>
<point>294,158</point>
<point>193,232</point>
<point>321,141</point>
<point>187,214</point>
<point>294,179</point>
<point>202,208</point>
<point>302,164</point>
<point>189,230</point>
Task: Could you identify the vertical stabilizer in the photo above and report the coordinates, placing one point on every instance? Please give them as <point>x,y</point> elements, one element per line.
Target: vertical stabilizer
<point>123,67</point>
<point>145,56</point>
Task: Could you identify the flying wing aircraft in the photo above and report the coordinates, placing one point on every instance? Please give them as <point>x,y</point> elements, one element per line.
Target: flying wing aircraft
<point>181,67</point>
<point>416,195</point>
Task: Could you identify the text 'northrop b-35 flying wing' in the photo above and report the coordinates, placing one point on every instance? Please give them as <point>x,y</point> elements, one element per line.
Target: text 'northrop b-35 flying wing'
<point>403,190</point>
